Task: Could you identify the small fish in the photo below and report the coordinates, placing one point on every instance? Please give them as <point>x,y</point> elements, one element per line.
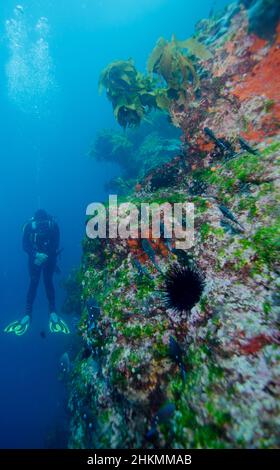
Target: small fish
<point>245,146</point>
<point>65,364</point>
<point>93,313</point>
<point>19,9</point>
<point>57,270</point>
<point>58,253</point>
<point>43,334</point>
<point>148,249</point>
<point>168,239</point>
<point>168,244</point>
<point>93,308</point>
<point>142,271</point>
<point>87,352</point>
<point>183,160</point>
<point>164,414</point>
<point>223,144</point>
<point>88,417</point>
<point>176,355</point>
<point>228,214</point>
<point>229,228</point>
<point>244,188</point>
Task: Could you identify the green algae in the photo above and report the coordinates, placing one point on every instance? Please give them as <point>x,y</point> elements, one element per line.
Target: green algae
<point>139,331</point>
<point>116,355</point>
<point>267,243</point>
<point>242,168</point>
<point>160,349</point>
<point>206,230</point>
<point>203,303</point>
<point>249,204</point>
<point>267,308</point>
<point>187,427</point>
<point>200,204</point>
<point>269,105</point>
<point>245,166</point>
<point>145,286</point>
<point>270,149</point>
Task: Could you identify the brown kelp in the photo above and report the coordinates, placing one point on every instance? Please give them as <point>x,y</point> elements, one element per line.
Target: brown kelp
<point>130,92</point>
<point>169,63</point>
<point>133,94</point>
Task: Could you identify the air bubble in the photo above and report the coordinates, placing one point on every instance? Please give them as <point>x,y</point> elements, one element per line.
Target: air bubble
<point>30,70</point>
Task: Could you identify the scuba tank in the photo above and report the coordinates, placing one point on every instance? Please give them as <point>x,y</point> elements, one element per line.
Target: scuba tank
<point>41,231</point>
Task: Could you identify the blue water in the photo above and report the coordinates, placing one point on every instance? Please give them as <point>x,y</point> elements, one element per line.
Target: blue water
<point>50,111</point>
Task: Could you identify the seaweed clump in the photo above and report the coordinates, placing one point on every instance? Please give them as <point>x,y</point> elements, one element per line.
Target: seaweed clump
<point>183,288</point>
<point>130,92</point>
<point>137,151</point>
<point>171,73</point>
<point>116,147</point>
<point>169,62</point>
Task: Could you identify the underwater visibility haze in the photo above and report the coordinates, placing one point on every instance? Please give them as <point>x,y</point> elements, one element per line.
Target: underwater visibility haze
<point>154,101</point>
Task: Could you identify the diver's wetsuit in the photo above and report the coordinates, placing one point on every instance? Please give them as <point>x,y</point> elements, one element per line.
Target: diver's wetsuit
<point>43,237</point>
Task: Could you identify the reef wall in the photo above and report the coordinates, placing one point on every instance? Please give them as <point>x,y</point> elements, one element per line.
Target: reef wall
<point>153,376</point>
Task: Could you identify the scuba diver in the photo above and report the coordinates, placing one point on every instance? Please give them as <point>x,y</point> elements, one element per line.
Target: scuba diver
<point>41,242</point>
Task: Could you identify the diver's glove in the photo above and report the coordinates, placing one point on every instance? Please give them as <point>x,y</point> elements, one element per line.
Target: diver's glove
<point>19,327</point>
<point>57,325</point>
<point>40,258</point>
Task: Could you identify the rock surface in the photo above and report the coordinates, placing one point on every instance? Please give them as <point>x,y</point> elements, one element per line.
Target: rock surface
<point>124,375</point>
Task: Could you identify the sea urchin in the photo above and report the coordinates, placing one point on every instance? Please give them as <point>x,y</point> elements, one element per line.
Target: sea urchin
<point>183,288</point>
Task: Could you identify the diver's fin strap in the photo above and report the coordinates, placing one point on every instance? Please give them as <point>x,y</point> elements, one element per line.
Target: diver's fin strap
<point>59,326</point>
<point>11,327</point>
<point>17,327</point>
